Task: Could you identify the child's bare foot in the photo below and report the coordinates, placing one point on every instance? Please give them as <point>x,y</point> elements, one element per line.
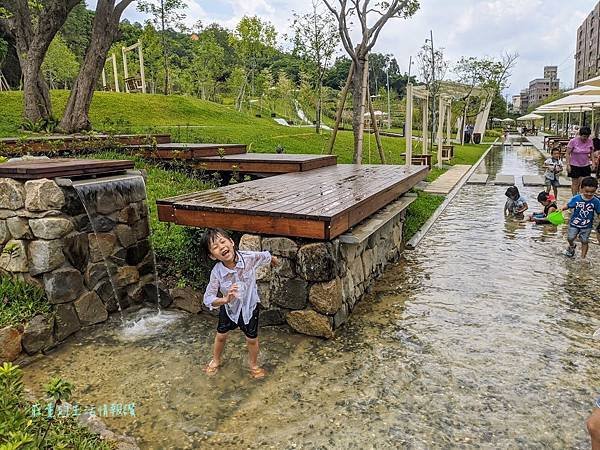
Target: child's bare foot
<point>212,367</point>
<point>257,372</point>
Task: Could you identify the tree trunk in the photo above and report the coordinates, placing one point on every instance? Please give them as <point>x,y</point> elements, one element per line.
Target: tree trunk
<point>106,23</point>
<point>359,92</point>
<point>340,109</point>
<point>36,96</point>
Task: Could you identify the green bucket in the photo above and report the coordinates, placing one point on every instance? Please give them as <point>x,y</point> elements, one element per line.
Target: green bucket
<point>556,218</point>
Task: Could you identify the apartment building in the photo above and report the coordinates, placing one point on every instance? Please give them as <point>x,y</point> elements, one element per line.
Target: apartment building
<point>587,57</point>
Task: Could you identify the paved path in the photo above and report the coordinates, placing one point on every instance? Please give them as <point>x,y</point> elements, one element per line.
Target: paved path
<point>478,178</point>
<point>446,182</point>
<point>538,143</point>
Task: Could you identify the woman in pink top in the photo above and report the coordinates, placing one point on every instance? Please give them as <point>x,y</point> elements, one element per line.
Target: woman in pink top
<point>579,158</point>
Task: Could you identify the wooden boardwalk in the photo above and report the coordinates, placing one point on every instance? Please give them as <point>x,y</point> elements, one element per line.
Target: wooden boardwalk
<point>187,151</point>
<point>446,181</point>
<point>265,163</point>
<point>318,204</point>
<point>61,167</point>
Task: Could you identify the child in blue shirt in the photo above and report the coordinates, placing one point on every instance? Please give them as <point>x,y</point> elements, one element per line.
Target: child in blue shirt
<point>516,204</point>
<point>584,206</point>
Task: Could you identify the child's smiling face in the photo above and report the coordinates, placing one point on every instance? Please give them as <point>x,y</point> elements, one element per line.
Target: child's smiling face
<point>588,192</point>
<point>222,249</point>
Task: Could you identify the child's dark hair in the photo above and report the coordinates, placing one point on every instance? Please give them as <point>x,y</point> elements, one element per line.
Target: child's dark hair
<point>210,236</point>
<point>587,131</point>
<point>589,182</point>
<point>512,192</point>
<point>543,197</point>
<point>555,149</point>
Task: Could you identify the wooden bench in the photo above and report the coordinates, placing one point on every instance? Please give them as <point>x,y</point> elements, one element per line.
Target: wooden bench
<point>419,160</point>
<point>134,84</point>
<point>447,152</point>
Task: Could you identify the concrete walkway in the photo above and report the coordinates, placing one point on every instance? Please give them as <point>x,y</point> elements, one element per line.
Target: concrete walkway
<point>538,143</point>
<point>446,182</point>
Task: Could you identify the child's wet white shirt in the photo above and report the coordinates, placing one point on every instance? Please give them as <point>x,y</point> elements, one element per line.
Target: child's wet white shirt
<point>223,278</point>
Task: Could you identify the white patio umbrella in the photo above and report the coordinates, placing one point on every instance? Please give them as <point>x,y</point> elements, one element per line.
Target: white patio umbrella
<point>585,90</point>
<point>576,103</point>
<point>508,119</point>
<point>591,82</point>
<point>530,116</point>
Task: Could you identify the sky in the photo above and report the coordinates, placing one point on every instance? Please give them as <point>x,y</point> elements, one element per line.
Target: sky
<point>542,32</point>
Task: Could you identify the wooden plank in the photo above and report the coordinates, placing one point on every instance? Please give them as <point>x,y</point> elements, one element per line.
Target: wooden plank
<point>253,224</point>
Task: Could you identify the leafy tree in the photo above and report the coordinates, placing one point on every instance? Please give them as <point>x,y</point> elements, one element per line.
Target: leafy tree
<point>77,30</point>
<point>362,12</point>
<point>264,83</point>
<point>254,42</point>
<point>104,29</point>
<point>166,15</point>
<point>432,68</point>
<point>336,76</point>
<point>33,26</point>
<point>315,42</point>
<point>60,64</point>
<point>206,65</point>
<point>285,89</point>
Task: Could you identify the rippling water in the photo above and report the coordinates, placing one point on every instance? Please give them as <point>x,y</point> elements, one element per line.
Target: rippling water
<point>480,338</point>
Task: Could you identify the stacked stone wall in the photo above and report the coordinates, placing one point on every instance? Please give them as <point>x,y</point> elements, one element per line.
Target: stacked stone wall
<point>88,265</point>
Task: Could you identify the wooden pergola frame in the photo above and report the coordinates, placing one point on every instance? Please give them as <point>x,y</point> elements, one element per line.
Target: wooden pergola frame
<point>413,92</point>
<point>445,115</point>
<point>125,50</point>
<point>113,59</point>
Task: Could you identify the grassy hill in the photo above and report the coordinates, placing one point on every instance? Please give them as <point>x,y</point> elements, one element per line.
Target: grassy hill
<point>192,120</point>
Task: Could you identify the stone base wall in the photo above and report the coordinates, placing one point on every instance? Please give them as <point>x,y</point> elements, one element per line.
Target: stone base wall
<point>317,284</point>
<point>90,265</point>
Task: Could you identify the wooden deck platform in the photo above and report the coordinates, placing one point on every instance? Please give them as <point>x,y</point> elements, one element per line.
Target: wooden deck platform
<point>265,163</point>
<point>61,167</point>
<point>318,204</point>
<point>189,151</point>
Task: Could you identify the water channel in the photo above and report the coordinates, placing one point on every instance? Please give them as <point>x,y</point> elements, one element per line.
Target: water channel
<point>480,338</point>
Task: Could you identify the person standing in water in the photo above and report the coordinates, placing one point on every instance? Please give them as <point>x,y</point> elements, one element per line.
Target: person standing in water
<point>579,158</point>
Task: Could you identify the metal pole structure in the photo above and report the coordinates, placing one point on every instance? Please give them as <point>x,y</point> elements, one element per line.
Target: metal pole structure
<point>142,76</point>
<point>408,124</point>
<point>115,72</point>
<point>425,131</point>
<point>432,87</point>
<point>387,75</point>
<point>439,136</point>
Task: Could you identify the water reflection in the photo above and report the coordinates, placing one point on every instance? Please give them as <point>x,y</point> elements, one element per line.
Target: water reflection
<point>482,337</point>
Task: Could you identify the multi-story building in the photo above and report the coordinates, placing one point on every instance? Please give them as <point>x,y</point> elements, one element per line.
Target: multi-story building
<point>524,100</point>
<point>587,57</point>
<point>516,103</point>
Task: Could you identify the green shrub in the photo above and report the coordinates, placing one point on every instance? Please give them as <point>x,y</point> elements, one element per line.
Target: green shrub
<point>20,301</point>
<point>419,212</point>
<point>22,428</point>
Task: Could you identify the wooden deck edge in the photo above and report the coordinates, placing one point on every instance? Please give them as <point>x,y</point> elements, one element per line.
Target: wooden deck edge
<point>373,223</point>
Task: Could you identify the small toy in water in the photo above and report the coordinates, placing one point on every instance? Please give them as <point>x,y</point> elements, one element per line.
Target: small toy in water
<point>556,218</point>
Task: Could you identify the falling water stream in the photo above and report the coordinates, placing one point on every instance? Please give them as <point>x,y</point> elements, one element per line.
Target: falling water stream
<point>480,338</point>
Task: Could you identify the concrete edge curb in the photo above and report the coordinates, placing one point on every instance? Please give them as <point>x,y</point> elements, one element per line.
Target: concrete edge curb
<point>416,239</point>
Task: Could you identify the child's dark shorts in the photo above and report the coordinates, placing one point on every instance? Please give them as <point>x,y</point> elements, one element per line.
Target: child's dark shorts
<point>226,324</point>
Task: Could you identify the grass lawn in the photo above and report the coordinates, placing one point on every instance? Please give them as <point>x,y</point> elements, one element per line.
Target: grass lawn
<point>419,212</point>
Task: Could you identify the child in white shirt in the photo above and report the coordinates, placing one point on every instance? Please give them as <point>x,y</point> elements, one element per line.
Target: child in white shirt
<point>234,276</point>
<point>554,167</point>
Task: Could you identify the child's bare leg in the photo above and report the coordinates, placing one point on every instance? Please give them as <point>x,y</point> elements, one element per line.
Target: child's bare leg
<point>584,249</point>
<point>220,340</point>
<point>548,189</point>
<point>555,189</point>
<point>593,426</point>
<point>252,352</point>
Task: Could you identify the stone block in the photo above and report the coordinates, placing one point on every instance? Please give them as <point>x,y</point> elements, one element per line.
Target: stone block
<point>76,250</point>
<point>37,334</point>
<point>154,290</point>
<point>45,256</point>
<point>12,194</point>
<point>66,321</point>
<point>291,293</point>
<point>135,293</point>
<point>10,344</point>
<point>341,316</point>
<point>147,265</point>
<point>311,323</point>
<point>136,253</point>
<point>95,273</point>
<point>250,242</point>
<point>141,229</point>
<point>186,299</point>
<point>101,245</point>
<point>285,268</point>
<point>73,205</point>
<point>82,223</point>
<point>358,273</point>
<point>326,297</point>
<point>280,246</point>
<point>90,309</point>
<point>103,224</point>
<point>368,262</point>
<point>42,195</point>
<point>264,293</point>
<point>125,235</point>
<point>14,257</point>
<point>126,275</point>
<point>315,262</point>
<point>19,228</point>
<point>63,285</point>
<point>129,215</point>
<point>109,201</point>
<point>4,233</point>
<point>272,316</point>
<point>50,227</point>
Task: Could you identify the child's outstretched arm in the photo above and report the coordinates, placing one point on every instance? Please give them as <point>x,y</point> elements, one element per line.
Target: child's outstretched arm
<point>523,208</point>
<point>211,300</point>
